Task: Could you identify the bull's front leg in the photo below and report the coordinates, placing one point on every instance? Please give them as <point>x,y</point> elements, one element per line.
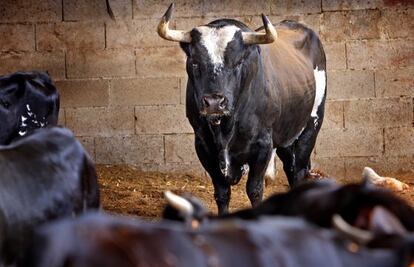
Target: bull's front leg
<point>258,162</point>
<point>210,162</point>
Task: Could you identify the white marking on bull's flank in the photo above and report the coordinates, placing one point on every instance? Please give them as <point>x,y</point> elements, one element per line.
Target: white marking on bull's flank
<point>28,107</point>
<point>24,118</point>
<point>215,40</point>
<point>320,80</point>
<point>21,133</point>
<point>290,142</point>
<point>271,168</point>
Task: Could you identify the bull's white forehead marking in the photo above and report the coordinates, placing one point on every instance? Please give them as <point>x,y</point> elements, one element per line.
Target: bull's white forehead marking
<point>215,40</point>
<point>320,80</point>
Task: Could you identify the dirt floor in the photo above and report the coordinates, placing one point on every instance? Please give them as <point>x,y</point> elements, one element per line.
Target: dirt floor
<point>127,190</point>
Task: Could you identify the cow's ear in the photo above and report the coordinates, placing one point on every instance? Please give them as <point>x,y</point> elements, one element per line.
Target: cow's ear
<point>383,221</point>
<point>186,48</point>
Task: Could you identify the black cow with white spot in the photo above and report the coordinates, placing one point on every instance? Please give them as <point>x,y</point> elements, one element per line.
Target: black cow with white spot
<point>28,101</point>
<point>247,102</point>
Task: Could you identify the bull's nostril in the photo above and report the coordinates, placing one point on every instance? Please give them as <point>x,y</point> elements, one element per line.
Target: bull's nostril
<point>206,102</point>
<point>222,103</point>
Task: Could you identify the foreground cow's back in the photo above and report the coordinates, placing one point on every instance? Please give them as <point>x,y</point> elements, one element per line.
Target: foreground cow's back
<point>44,176</point>
<point>101,240</point>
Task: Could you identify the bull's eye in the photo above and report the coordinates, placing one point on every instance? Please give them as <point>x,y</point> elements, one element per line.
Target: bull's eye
<point>4,103</point>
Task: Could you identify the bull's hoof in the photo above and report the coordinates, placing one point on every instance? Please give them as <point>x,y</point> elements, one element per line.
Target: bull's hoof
<point>317,174</point>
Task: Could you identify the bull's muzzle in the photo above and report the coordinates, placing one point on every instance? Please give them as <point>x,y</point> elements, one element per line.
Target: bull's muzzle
<point>214,106</point>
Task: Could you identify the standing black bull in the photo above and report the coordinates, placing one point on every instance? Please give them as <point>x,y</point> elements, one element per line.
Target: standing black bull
<point>243,100</point>
<point>28,100</point>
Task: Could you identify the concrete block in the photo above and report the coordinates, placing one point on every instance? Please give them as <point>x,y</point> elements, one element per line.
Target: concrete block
<point>236,8</point>
<point>348,25</point>
<point>399,141</point>
<point>151,91</point>
<point>30,10</point>
<point>83,93</point>
<point>179,148</point>
<point>136,33</point>
<point>386,112</point>
<point>161,119</point>
<point>349,142</point>
<point>17,37</point>
<point>335,56</point>
<point>62,117</point>
<point>157,8</point>
<point>280,7</point>
<point>134,150</point>
<point>350,84</point>
<point>101,121</point>
<point>333,5</point>
<point>334,167</point>
<point>67,35</point>
<point>380,54</point>
<point>160,62</point>
<point>399,82</point>
<point>89,145</point>
<point>53,63</point>
<point>334,115</point>
<point>75,10</point>
<point>95,64</point>
<point>183,88</point>
<point>397,23</point>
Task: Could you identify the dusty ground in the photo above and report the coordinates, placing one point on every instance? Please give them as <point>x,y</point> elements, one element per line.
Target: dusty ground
<point>126,190</point>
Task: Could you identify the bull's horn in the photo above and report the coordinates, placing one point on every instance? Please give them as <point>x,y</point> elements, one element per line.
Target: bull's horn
<point>270,36</point>
<point>180,203</point>
<point>370,174</point>
<point>355,234</point>
<point>172,35</point>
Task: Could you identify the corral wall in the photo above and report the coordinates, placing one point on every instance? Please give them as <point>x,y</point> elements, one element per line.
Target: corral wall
<point>122,87</point>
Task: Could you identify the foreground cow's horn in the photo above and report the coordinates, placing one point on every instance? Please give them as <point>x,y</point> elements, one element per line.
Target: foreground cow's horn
<point>355,234</point>
<point>270,36</point>
<point>172,35</point>
<point>180,203</point>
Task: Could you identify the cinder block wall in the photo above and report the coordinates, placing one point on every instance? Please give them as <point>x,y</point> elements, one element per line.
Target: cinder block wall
<point>123,87</point>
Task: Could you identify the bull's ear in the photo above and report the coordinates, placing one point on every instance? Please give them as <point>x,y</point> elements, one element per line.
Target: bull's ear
<point>383,221</point>
<point>186,48</point>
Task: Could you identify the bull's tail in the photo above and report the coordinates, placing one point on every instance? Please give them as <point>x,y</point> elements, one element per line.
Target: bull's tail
<point>90,187</point>
<point>271,167</point>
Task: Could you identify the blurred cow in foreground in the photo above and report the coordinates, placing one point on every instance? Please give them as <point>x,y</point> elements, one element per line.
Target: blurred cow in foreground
<point>103,240</point>
<point>44,176</point>
<point>315,224</point>
<point>316,200</point>
<point>28,100</point>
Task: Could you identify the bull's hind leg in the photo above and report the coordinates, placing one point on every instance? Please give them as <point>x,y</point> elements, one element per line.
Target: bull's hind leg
<point>296,157</point>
